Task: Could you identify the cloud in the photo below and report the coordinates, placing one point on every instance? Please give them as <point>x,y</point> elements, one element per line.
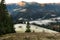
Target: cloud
<point>21,10</point>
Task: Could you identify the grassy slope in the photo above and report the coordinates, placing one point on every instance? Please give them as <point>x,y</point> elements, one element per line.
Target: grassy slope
<point>30,36</point>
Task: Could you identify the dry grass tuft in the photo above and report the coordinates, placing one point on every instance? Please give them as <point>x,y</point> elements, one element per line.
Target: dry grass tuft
<point>31,36</point>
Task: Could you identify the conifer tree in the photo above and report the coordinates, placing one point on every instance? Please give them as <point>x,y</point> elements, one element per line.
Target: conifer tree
<point>28,27</point>
<point>6,25</point>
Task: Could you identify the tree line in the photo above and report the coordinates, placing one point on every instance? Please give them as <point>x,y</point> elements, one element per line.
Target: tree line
<point>6,24</point>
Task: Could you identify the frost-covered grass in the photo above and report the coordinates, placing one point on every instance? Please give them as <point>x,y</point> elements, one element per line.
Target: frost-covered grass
<point>32,28</point>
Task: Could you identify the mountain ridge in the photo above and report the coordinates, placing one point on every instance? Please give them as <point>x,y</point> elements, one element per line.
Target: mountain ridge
<point>33,10</point>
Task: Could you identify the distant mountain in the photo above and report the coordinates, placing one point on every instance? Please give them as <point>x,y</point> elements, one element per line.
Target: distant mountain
<point>33,10</point>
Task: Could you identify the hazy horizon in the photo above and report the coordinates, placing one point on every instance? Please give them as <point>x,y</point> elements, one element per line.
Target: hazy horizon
<point>39,1</point>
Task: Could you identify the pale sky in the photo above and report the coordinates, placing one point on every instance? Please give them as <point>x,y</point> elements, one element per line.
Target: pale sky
<point>39,1</point>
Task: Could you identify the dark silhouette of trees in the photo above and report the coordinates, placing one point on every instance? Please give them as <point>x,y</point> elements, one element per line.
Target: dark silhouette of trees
<point>6,25</point>
<point>28,27</point>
